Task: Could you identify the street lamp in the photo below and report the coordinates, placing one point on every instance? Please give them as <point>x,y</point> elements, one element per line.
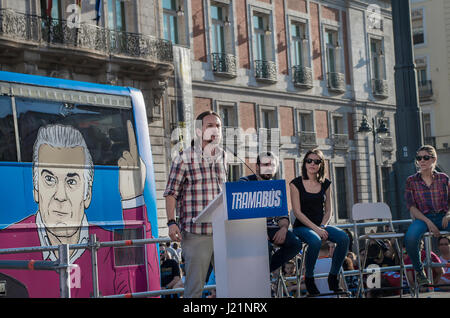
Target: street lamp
<point>381,131</point>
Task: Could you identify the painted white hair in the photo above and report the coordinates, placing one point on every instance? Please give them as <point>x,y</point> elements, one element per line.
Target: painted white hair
<point>59,136</point>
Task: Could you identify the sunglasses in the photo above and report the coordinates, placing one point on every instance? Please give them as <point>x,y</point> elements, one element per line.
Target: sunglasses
<point>426,158</point>
<point>316,161</point>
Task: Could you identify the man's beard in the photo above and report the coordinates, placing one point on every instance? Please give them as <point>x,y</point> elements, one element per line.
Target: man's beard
<point>266,176</point>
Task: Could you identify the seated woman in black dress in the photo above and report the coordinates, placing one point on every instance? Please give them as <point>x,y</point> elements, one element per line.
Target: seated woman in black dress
<point>311,203</point>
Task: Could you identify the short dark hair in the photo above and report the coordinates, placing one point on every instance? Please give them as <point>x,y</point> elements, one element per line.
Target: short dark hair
<point>321,172</point>
<point>204,114</point>
<point>266,154</point>
<point>443,237</point>
<point>199,122</point>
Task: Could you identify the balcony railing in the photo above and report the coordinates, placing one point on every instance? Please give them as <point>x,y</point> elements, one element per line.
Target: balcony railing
<point>308,139</point>
<point>425,90</point>
<point>340,141</point>
<point>336,82</point>
<point>380,88</point>
<point>265,71</point>
<point>21,27</point>
<point>302,76</point>
<point>223,64</point>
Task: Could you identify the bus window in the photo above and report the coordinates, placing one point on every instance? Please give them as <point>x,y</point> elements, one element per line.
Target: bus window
<point>103,128</point>
<point>129,255</point>
<point>8,151</point>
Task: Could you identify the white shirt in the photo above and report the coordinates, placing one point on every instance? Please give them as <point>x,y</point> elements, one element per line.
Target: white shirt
<point>43,238</point>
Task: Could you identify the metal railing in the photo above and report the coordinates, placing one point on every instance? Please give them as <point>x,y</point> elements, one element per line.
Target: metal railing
<point>336,82</point>
<point>20,27</point>
<point>302,76</point>
<point>340,141</point>
<point>224,64</point>
<point>62,265</point>
<point>266,71</point>
<point>380,88</point>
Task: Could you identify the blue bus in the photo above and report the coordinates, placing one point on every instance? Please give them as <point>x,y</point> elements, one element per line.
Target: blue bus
<point>76,161</point>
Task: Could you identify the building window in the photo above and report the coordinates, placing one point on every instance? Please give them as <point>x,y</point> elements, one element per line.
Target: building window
<point>262,34</point>
<point>341,192</point>
<point>172,12</point>
<point>228,114</point>
<point>230,130</point>
<point>417,26</point>
<point>377,59</point>
<point>268,118</point>
<point>338,125</point>
<point>173,115</point>
<point>305,122</point>
<point>53,11</point>
<point>116,15</point>
<point>8,149</point>
<point>269,133</point>
<point>332,51</point>
<point>129,255</point>
<point>422,76</point>
<point>298,41</point>
<point>428,137</point>
<point>218,29</point>
<point>234,172</point>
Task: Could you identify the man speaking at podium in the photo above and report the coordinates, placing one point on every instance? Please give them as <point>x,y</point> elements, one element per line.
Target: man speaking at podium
<point>195,179</point>
<point>277,227</point>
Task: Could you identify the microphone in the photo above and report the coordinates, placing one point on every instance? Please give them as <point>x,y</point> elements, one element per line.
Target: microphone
<point>243,161</point>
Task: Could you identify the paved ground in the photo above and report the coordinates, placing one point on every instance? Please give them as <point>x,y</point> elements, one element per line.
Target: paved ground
<point>427,295</point>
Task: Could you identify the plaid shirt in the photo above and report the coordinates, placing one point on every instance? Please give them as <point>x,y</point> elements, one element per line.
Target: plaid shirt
<point>194,181</point>
<point>434,198</point>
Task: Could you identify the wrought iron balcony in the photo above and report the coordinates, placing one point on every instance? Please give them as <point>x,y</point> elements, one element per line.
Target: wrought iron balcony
<point>425,90</point>
<point>223,64</point>
<point>336,82</point>
<point>340,141</point>
<point>54,33</point>
<point>302,76</point>
<point>308,139</point>
<point>380,88</point>
<point>265,71</point>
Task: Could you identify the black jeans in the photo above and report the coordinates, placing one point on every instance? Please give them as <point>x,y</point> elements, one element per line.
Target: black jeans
<point>291,247</point>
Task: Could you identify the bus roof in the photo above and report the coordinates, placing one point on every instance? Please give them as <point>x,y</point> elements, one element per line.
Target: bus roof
<point>62,83</point>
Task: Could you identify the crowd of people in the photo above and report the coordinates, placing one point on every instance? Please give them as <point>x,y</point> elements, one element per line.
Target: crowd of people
<point>196,177</point>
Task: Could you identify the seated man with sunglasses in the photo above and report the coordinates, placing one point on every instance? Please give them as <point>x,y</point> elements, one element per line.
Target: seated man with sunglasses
<point>277,227</point>
<point>427,198</point>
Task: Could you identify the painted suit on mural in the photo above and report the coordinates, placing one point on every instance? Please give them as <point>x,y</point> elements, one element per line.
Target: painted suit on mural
<point>63,174</point>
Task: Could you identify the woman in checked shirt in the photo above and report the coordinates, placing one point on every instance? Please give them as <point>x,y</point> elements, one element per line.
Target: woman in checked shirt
<point>427,199</point>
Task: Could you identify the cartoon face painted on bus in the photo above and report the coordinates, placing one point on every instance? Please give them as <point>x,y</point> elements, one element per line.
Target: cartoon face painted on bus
<point>63,178</point>
<point>63,175</point>
<point>62,187</point>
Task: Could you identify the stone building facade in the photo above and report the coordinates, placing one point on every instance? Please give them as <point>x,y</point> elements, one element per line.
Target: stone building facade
<point>303,72</point>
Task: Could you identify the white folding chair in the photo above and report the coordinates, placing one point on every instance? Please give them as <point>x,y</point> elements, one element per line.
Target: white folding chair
<point>367,211</point>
